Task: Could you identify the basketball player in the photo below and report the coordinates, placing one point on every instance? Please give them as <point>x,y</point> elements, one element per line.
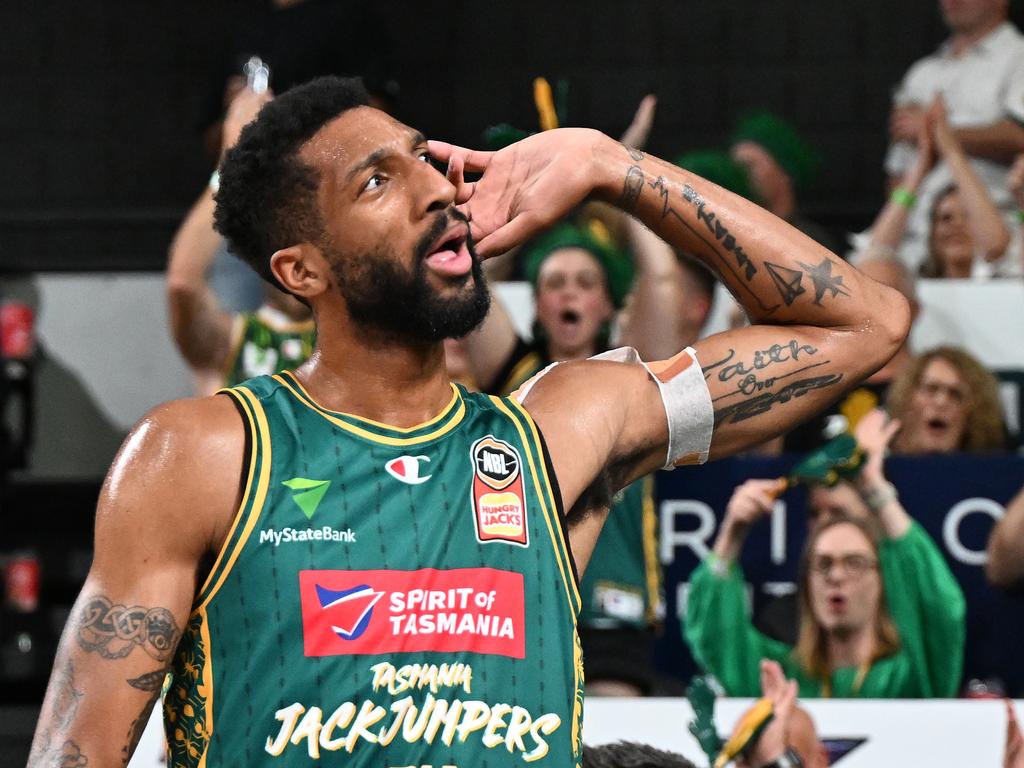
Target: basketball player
<point>356,562</point>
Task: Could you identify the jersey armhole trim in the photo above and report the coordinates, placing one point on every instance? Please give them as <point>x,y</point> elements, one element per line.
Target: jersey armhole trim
<point>257,480</point>
<point>549,468</point>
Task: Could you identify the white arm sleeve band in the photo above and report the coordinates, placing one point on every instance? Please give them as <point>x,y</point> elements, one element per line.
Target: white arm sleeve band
<point>687,401</point>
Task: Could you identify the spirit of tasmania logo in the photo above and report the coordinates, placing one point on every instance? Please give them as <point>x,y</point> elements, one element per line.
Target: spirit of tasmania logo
<point>481,610</point>
<point>499,503</point>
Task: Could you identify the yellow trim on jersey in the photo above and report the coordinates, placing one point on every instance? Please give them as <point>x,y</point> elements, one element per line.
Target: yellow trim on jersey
<point>260,432</point>
<point>650,543</point>
<point>563,564</point>
<point>204,634</point>
<point>238,324</point>
<point>332,416</point>
<point>518,374</point>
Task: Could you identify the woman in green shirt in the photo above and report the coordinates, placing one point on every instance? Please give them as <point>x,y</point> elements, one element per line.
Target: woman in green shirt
<point>880,617</point>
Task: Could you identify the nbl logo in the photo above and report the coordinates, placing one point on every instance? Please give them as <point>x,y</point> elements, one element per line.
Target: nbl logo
<point>497,462</point>
<point>499,501</point>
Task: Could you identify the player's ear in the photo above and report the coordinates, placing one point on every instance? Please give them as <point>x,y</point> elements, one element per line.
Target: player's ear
<point>301,269</point>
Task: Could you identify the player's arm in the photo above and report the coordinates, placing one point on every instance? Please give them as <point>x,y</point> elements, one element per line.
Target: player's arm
<point>167,497</point>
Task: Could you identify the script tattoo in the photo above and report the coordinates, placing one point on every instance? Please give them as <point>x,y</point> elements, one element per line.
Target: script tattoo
<point>632,186</point>
<point>114,631</point>
<point>763,358</point>
<point>663,189</point>
<point>755,406</point>
<point>720,231</point>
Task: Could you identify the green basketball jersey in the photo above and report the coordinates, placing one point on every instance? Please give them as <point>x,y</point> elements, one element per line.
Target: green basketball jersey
<point>622,583</point>
<point>385,597</point>
<point>265,342</point>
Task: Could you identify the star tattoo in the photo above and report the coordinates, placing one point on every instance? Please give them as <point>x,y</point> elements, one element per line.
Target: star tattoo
<point>823,279</point>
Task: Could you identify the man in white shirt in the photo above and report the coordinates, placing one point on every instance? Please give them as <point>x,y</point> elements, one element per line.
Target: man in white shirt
<point>979,71</point>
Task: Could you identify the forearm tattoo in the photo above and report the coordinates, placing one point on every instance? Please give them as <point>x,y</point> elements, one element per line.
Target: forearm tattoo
<point>114,631</point>
<point>48,748</point>
<point>723,245</point>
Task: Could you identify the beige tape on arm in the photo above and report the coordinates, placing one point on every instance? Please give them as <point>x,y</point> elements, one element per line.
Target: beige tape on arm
<point>687,401</point>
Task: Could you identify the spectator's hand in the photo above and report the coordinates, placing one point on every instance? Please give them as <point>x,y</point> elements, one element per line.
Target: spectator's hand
<point>751,501</point>
<point>774,740</point>
<point>926,156</point>
<point>874,432</point>
<point>526,187</point>
<point>1015,181</point>
<point>640,129</point>
<point>1013,754</point>
<point>905,123</point>
<point>945,140</point>
<point>243,110</point>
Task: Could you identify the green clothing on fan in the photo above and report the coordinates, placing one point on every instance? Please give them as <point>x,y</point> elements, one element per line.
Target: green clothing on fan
<point>267,341</point>
<point>622,584</point>
<point>923,598</point>
<point>385,597</point>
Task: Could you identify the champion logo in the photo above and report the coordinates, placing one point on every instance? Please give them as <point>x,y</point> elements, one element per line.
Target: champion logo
<point>351,608</point>
<point>407,469</point>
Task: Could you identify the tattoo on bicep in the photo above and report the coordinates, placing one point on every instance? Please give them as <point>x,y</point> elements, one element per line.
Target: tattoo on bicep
<point>632,186</point>
<point>151,681</point>
<point>791,351</point>
<point>763,403</point>
<point>787,281</point>
<point>114,631</point>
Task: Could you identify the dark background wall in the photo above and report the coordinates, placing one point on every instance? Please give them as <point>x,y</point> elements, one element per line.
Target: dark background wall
<point>100,153</point>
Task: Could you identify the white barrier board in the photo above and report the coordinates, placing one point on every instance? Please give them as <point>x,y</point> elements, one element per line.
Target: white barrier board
<point>897,734</point>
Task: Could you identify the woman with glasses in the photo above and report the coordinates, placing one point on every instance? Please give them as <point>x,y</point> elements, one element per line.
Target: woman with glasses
<point>881,616</point>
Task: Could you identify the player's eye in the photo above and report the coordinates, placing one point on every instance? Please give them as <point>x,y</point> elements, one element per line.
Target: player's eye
<point>373,182</point>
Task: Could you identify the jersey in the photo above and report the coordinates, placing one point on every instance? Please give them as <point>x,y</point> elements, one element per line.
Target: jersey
<point>265,342</point>
<point>385,597</point>
<point>622,584</point>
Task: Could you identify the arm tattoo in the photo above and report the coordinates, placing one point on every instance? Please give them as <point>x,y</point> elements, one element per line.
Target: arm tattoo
<point>138,726</point>
<point>632,185</point>
<point>634,153</point>
<point>787,281</point>
<point>823,279</point>
<point>151,681</point>
<point>48,750</point>
<point>763,358</point>
<point>755,406</point>
<point>114,631</point>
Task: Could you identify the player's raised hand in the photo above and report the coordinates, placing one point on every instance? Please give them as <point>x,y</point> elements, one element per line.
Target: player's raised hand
<point>525,187</point>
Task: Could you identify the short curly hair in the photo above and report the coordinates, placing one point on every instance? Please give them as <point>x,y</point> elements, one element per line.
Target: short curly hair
<point>267,195</point>
<point>985,427</point>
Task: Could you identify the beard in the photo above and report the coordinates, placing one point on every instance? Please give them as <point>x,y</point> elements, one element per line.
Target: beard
<point>385,297</point>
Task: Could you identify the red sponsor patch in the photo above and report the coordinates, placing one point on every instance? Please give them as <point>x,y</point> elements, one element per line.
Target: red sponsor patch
<point>369,612</point>
<point>499,501</point>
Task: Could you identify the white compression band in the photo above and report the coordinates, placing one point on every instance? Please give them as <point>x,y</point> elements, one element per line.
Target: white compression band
<point>687,401</point>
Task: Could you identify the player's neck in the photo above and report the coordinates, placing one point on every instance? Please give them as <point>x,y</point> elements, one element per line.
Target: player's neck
<point>397,384</point>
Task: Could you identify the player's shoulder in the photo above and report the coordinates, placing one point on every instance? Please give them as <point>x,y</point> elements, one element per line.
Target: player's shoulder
<point>187,431</point>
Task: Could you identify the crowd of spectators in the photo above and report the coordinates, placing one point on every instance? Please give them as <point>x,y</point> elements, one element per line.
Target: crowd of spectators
<point>877,611</point>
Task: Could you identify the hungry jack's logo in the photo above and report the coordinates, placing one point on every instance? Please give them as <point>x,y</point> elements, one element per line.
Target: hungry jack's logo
<point>499,501</point>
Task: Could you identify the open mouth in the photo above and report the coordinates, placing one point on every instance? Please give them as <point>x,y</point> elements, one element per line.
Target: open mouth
<point>837,603</point>
<point>449,256</point>
<point>570,317</point>
<point>937,425</point>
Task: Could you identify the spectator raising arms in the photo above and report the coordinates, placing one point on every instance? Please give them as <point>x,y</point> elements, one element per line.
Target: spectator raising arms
<point>878,619</point>
<point>222,348</point>
<point>966,232</point>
